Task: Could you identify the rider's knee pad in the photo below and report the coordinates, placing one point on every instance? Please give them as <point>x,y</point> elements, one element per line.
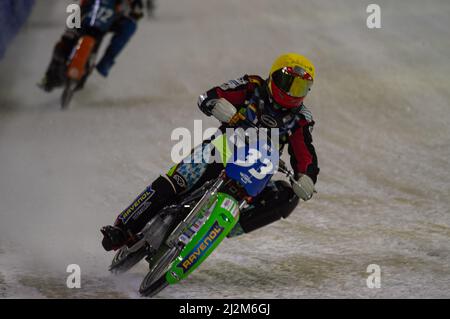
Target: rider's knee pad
<point>271,205</point>
<point>164,186</point>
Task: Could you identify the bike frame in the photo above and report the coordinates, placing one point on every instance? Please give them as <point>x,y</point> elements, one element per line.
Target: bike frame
<point>77,67</point>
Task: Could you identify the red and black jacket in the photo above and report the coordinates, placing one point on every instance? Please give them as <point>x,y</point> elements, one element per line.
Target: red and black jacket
<point>251,92</point>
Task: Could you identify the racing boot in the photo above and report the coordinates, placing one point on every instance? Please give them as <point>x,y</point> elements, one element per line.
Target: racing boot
<point>55,75</point>
<point>114,237</point>
<point>130,222</point>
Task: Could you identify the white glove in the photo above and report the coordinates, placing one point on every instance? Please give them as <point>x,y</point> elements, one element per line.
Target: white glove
<point>223,110</point>
<point>303,187</point>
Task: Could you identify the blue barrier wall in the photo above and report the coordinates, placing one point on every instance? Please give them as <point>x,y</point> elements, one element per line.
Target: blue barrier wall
<point>13,13</point>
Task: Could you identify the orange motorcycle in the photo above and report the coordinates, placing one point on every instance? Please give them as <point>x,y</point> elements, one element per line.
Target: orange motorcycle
<point>80,65</point>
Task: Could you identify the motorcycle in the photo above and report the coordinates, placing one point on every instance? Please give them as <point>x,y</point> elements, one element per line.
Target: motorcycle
<point>182,236</point>
<point>82,59</point>
<point>80,65</point>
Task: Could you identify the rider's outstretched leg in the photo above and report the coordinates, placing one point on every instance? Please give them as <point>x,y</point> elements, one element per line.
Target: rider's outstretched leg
<point>123,31</point>
<point>54,76</point>
<point>164,191</point>
<point>159,194</point>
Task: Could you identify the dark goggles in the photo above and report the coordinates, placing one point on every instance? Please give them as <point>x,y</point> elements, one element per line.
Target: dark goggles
<point>295,82</point>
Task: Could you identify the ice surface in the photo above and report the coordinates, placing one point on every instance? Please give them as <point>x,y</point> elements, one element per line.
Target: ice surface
<point>381,105</point>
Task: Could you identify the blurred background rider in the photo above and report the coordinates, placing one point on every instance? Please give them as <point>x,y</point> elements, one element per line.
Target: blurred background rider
<point>98,17</point>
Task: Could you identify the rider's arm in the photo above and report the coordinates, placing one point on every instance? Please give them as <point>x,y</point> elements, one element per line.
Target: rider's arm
<point>301,149</point>
<point>234,91</point>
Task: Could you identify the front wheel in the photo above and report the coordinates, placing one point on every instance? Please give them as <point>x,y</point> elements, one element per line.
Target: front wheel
<point>67,94</point>
<point>154,288</point>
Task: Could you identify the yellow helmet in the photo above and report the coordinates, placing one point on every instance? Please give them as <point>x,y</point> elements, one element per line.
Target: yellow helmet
<point>290,79</point>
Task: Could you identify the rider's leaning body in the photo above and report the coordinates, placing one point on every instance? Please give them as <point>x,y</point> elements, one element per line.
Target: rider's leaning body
<point>97,18</point>
<point>273,103</point>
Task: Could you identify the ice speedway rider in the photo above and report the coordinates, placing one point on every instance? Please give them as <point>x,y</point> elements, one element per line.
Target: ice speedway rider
<point>275,102</point>
<point>97,18</point>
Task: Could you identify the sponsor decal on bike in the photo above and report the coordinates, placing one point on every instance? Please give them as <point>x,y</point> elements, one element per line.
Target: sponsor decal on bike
<point>134,208</point>
<point>230,206</point>
<point>201,248</point>
<point>235,211</point>
<point>227,204</point>
<point>245,178</point>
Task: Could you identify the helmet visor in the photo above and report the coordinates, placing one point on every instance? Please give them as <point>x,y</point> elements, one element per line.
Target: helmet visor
<point>295,82</point>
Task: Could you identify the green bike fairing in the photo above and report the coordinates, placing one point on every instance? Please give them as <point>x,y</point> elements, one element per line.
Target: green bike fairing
<point>223,218</point>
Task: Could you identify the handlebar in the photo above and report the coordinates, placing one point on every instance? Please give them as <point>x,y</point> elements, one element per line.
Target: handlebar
<point>282,167</point>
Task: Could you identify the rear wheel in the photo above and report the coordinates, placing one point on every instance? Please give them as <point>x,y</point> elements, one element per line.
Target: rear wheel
<point>155,280</point>
<point>124,260</point>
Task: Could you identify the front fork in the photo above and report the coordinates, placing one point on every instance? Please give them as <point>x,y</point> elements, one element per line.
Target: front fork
<point>207,198</point>
<point>200,240</point>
